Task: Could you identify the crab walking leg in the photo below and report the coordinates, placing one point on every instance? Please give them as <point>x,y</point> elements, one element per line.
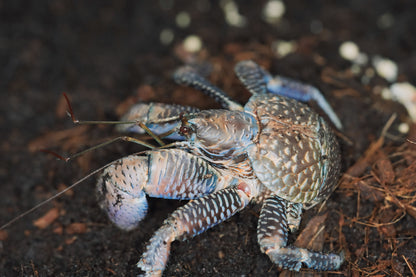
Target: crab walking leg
<point>190,220</point>
<point>252,76</point>
<point>293,212</point>
<point>172,174</point>
<point>158,117</point>
<point>302,92</point>
<point>259,81</point>
<point>272,237</point>
<point>188,76</point>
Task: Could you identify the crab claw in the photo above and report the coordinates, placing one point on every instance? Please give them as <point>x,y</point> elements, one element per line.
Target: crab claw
<point>120,191</point>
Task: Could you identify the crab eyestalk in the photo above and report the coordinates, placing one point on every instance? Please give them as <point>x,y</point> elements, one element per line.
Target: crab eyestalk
<point>120,191</point>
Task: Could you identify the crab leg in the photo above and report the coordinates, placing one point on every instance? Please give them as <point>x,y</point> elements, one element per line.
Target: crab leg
<point>190,220</point>
<point>293,212</point>
<point>258,81</point>
<point>172,174</point>
<point>272,237</point>
<point>188,76</point>
<point>252,76</point>
<point>158,117</point>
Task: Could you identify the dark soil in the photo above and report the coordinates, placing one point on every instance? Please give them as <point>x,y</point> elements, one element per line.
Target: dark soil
<point>106,55</point>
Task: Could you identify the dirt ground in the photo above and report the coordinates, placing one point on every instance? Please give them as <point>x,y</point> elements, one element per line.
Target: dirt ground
<point>106,55</point>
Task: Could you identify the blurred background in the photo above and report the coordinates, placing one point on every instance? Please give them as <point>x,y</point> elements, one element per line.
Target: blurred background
<point>108,55</point>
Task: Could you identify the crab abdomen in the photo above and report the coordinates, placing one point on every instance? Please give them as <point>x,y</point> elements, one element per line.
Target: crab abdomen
<point>296,155</point>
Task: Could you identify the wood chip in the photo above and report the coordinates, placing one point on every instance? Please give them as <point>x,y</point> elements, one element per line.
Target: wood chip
<point>76,228</point>
<point>71,240</point>
<point>312,236</point>
<point>385,171</point>
<point>47,218</point>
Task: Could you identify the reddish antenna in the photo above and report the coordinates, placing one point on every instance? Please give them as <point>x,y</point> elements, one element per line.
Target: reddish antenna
<point>70,112</point>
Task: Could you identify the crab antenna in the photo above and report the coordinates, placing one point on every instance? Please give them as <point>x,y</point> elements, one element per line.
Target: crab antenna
<point>142,125</point>
<point>71,114</point>
<point>54,197</point>
<point>122,138</point>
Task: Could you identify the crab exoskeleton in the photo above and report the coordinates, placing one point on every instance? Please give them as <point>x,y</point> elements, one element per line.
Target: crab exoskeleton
<point>274,150</point>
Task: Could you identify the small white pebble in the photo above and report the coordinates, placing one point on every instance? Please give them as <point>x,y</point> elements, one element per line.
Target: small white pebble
<point>283,48</point>
<point>385,68</point>
<point>183,19</point>
<point>405,93</point>
<point>403,128</point>
<point>349,50</point>
<point>232,15</point>
<point>166,36</point>
<point>386,94</point>
<point>273,11</point>
<point>192,43</point>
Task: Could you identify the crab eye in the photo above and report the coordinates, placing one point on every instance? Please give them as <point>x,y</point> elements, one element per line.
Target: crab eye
<point>184,130</point>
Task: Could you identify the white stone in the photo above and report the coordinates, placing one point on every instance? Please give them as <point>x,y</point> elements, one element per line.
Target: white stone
<point>349,50</point>
<point>232,15</point>
<point>404,128</point>
<point>405,93</point>
<point>386,93</point>
<point>386,68</point>
<point>283,48</point>
<point>273,11</point>
<point>192,43</point>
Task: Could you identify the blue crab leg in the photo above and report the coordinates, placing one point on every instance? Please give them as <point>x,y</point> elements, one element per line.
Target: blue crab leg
<point>190,220</point>
<point>188,76</point>
<point>171,174</point>
<point>272,236</point>
<point>158,117</point>
<point>258,81</point>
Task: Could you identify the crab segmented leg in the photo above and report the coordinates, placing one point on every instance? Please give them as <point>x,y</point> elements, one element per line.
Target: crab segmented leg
<point>294,212</point>
<point>172,174</point>
<point>188,221</point>
<point>272,237</point>
<point>188,76</point>
<point>258,81</point>
<point>158,117</point>
<point>252,76</point>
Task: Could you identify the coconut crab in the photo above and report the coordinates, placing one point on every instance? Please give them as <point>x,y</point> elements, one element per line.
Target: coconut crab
<point>275,150</point>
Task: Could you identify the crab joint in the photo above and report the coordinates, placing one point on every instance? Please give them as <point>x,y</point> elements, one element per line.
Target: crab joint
<point>244,187</point>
